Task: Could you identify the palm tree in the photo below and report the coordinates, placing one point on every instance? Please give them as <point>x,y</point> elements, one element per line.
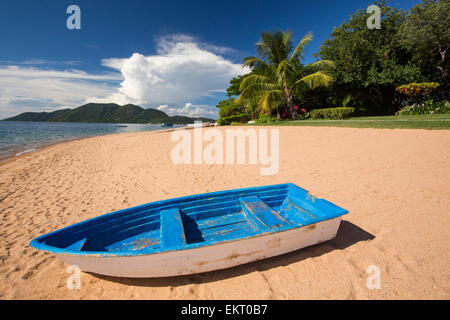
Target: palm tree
<point>277,73</point>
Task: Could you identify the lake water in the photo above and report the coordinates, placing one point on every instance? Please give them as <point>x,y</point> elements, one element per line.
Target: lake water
<point>19,137</point>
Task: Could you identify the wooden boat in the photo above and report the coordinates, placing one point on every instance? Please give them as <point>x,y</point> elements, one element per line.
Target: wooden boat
<point>170,125</point>
<point>196,233</point>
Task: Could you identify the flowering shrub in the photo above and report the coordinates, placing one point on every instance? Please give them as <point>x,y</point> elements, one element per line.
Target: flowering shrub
<point>428,107</point>
<point>417,91</point>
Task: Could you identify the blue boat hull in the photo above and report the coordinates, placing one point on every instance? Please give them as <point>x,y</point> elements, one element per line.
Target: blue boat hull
<point>153,238</point>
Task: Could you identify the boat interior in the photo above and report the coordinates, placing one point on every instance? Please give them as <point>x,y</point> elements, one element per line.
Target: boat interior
<point>193,221</point>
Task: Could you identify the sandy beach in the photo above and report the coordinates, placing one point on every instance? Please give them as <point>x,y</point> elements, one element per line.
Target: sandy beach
<point>395,183</point>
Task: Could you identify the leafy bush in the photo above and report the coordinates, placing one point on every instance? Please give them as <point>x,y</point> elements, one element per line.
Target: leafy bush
<point>240,118</point>
<point>265,118</point>
<point>428,107</point>
<point>304,116</point>
<point>229,107</point>
<point>332,113</point>
<point>418,91</point>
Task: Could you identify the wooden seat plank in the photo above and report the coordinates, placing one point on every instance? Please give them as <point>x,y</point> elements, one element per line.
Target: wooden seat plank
<point>260,214</point>
<point>172,230</point>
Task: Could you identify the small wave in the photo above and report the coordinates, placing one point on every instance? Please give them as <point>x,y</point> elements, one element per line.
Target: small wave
<point>26,151</point>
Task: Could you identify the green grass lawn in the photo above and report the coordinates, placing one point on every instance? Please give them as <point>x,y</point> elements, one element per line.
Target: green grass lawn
<point>426,121</point>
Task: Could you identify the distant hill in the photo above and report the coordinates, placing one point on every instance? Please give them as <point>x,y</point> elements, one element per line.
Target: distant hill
<point>106,112</point>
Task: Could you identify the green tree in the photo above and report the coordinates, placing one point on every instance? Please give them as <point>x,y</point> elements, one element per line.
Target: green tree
<point>233,89</point>
<point>229,107</point>
<point>426,32</point>
<point>370,63</point>
<point>277,73</point>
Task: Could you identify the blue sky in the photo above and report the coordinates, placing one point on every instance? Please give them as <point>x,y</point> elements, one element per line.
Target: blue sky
<point>177,56</point>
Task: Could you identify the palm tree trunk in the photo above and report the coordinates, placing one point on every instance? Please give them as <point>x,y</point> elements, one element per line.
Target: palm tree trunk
<point>289,101</point>
<point>290,105</point>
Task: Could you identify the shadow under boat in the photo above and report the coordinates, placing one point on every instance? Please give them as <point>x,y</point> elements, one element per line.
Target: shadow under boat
<point>348,234</point>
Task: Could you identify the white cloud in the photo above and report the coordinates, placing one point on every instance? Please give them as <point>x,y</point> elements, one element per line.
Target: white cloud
<point>182,73</point>
<point>183,70</point>
<point>190,110</point>
<point>25,89</point>
<point>31,72</point>
<point>37,61</point>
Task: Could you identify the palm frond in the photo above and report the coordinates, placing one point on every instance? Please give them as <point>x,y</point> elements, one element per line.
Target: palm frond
<point>301,46</point>
<point>252,79</point>
<point>283,67</point>
<point>271,100</point>
<point>314,80</point>
<point>347,99</point>
<point>253,62</point>
<point>287,38</point>
<point>258,89</point>
<point>274,46</point>
<point>253,86</point>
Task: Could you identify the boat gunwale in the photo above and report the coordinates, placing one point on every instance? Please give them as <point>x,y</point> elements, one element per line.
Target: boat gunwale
<point>63,251</point>
<point>191,246</point>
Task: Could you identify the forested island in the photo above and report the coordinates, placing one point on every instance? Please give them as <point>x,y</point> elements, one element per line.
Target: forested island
<point>106,112</point>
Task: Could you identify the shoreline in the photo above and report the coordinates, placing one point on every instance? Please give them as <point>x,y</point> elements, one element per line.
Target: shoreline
<point>39,148</point>
<point>8,158</point>
<point>245,126</point>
